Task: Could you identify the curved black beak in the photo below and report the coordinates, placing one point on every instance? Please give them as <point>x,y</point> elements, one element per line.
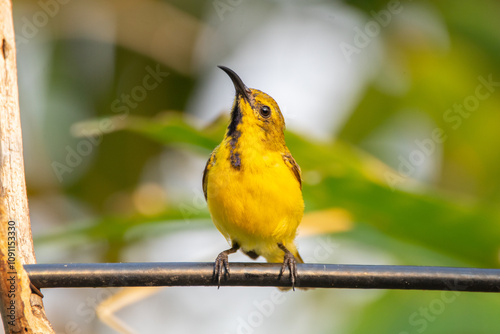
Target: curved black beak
<point>237,82</point>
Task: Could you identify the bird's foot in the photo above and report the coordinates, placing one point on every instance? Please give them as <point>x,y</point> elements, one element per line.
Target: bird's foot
<point>221,265</point>
<point>290,262</point>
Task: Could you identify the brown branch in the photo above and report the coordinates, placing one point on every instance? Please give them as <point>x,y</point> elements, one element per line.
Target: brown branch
<point>22,311</point>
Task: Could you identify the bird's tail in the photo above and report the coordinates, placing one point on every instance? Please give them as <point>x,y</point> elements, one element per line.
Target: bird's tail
<point>276,256</point>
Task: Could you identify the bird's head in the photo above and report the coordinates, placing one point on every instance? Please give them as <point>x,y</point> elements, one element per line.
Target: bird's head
<point>254,113</point>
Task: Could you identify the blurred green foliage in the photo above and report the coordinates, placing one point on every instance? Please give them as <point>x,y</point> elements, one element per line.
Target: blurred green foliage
<point>348,180</point>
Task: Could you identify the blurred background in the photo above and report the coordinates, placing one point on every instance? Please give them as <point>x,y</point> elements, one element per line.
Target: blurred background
<point>392,111</point>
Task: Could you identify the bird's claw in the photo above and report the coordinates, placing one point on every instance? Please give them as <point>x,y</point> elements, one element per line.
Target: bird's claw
<point>221,265</point>
<point>290,262</point>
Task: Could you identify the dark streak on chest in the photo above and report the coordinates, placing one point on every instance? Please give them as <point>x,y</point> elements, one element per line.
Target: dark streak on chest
<point>234,134</point>
<point>234,156</point>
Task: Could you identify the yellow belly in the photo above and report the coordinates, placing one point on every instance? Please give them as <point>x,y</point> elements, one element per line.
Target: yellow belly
<point>257,206</point>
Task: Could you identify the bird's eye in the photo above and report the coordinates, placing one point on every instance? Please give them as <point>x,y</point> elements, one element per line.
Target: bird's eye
<point>265,111</point>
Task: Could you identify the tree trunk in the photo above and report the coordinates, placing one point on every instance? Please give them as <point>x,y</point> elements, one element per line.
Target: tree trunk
<point>22,311</point>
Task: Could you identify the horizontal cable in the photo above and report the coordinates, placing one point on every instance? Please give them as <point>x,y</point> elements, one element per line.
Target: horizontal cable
<point>96,275</point>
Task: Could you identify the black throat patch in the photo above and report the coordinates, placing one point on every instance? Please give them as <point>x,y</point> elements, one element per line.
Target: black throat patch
<point>236,119</point>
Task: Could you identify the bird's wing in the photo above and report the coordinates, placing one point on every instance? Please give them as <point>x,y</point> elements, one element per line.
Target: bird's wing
<point>294,167</point>
<point>210,163</point>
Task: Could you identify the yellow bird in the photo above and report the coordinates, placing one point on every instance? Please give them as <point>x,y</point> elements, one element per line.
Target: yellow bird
<point>252,184</point>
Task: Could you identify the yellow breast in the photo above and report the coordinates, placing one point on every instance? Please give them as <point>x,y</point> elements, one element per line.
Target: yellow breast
<point>257,205</point>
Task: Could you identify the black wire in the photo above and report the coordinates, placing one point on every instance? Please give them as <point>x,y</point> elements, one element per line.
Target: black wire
<point>86,275</point>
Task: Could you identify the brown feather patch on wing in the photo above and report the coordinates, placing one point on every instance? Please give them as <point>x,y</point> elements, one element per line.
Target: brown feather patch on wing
<point>210,163</point>
<point>292,164</point>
